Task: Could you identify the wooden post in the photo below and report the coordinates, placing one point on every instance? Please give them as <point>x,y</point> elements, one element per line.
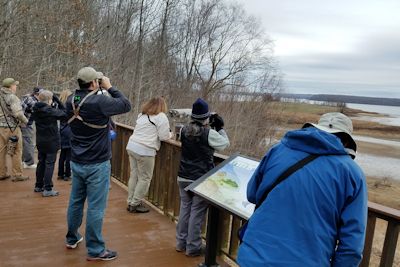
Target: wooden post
<point>389,247</point>
<point>368,239</point>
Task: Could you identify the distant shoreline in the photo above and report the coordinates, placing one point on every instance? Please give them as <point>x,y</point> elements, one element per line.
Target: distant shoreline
<point>345,99</point>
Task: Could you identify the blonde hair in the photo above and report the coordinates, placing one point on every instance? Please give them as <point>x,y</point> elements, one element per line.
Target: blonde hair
<point>154,106</point>
<point>64,95</point>
<point>45,96</point>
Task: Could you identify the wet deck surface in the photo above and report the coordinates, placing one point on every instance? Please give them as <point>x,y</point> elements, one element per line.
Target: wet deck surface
<point>32,231</point>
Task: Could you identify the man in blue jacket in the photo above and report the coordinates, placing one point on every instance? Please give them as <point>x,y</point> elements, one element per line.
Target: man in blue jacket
<point>318,215</point>
<point>89,117</point>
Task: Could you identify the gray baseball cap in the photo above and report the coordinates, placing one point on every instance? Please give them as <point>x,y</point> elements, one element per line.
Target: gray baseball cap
<point>336,122</point>
<point>88,74</point>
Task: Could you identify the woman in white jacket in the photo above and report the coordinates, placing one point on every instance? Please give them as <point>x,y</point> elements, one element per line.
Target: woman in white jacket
<point>151,128</point>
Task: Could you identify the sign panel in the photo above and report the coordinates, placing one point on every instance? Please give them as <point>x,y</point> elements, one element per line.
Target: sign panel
<point>226,185</point>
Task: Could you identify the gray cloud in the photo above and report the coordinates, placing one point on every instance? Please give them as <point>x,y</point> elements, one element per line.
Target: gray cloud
<point>362,53</point>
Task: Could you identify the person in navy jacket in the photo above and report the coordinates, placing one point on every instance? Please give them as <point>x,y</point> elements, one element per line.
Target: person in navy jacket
<point>318,215</point>
<point>89,118</point>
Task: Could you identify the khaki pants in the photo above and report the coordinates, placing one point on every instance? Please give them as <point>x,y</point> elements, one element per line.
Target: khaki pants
<point>141,173</point>
<point>16,162</point>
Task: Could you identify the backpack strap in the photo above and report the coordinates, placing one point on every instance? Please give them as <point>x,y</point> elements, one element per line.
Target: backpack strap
<point>76,110</point>
<point>289,171</point>
<point>5,113</point>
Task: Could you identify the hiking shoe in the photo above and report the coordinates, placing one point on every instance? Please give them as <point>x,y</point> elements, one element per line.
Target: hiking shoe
<point>107,255</point>
<point>74,245</point>
<point>32,166</point>
<point>197,253</point>
<point>138,209</point>
<point>38,190</point>
<point>19,178</point>
<point>179,249</point>
<point>66,178</point>
<point>50,193</point>
<point>4,177</point>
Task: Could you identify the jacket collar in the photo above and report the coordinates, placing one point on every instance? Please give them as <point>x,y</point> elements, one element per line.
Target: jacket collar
<point>5,90</point>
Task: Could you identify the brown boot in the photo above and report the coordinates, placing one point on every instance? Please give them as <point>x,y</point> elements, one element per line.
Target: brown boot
<point>4,177</point>
<point>19,178</point>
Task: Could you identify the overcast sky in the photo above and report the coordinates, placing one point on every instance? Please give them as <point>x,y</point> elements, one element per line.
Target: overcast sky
<point>334,47</point>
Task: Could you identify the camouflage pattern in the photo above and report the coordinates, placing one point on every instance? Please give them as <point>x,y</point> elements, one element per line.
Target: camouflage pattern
<point>10,109</point>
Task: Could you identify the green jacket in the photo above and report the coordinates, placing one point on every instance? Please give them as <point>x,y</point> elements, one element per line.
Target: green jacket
<point>10,109</point>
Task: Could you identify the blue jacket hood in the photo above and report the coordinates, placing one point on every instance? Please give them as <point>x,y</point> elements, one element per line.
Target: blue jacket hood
<point>314,141</point>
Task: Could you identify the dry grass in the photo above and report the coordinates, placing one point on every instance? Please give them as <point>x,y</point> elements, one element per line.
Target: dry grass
<point>294,115</point>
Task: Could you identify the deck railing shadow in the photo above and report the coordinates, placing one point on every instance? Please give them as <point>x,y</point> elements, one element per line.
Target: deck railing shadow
<point>164,194</point>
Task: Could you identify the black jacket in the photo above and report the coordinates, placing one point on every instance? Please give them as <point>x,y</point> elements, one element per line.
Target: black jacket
<point>65,134</point>
<point>90,145</point>
<point>197,156</point>
<point>47,133</point>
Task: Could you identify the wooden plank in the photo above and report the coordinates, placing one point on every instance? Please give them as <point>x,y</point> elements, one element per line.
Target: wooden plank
<point>176,162</point>
<point>156,178</point>
<point>224,233</point>
<point>384,212</point>
<point>125,166</point>
<point>389,247</point>
<point>140,239</point>
<point>234,242</point>
<point>369,239</point>
<point>171,183</point>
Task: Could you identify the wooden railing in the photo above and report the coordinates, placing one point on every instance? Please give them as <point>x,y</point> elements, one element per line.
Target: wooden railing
<point>164,194</point>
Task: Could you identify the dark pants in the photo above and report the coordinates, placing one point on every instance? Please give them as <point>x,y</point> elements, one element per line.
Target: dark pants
<point>191,217</point>
<point>45,169</point>
<point>64,167</point>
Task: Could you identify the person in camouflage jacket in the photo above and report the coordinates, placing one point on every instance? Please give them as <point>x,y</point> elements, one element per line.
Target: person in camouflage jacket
<point>11,115</point>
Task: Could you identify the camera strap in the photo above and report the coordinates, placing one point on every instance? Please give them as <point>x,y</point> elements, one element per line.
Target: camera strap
<point>148,117</point>
<point>5,115</point>
<point>77,108</point>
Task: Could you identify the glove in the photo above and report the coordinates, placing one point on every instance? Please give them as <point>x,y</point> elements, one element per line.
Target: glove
<point>216,122</point>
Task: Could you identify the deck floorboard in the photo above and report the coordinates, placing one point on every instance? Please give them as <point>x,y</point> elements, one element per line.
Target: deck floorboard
<point>33,228</point>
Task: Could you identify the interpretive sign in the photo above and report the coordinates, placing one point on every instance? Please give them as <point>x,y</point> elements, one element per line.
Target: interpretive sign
<point>225,186</point>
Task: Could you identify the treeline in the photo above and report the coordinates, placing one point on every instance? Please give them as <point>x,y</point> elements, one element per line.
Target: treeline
<point>181,49</point>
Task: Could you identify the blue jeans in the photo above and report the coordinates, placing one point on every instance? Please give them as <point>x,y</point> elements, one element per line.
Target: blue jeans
<point>89,181</point>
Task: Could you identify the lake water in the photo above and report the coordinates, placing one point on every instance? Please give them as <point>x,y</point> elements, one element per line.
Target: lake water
<point>380,167</point>
<point>392,113</point>
<point>377,166</point>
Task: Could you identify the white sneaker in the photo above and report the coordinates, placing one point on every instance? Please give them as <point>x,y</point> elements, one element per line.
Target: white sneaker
<point>32,166</point>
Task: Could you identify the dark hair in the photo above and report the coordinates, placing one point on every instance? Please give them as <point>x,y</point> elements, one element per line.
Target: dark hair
<point>83,84</point>
<point>345,139</point>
